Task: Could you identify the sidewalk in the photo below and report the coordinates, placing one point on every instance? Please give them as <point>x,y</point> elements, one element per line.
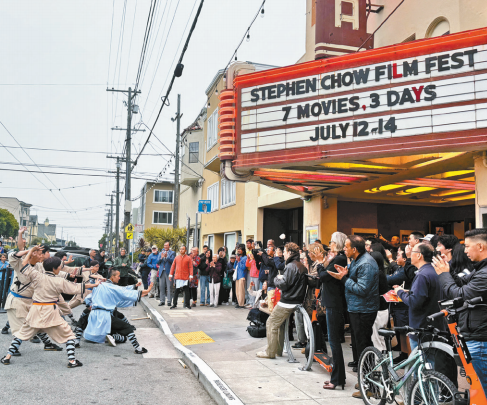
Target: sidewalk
<point>232,357</point>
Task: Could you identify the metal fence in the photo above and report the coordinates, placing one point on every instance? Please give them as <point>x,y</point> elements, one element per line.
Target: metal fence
<point>5,278</point>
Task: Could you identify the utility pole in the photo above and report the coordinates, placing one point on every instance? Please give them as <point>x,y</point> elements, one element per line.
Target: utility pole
<point>117,212</point>
<point>110,223</point>
<point>195,238</point>
<point>175,219</point>
<point>128,144</point>
<point>187,232</point>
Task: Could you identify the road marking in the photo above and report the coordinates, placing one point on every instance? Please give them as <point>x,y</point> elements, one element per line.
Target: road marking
<point>193,338</point>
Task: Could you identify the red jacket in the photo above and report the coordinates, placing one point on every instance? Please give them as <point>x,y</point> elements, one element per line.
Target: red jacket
<point>183,266</point>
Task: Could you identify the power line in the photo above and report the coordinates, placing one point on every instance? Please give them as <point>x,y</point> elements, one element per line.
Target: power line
<point>110,52</point>
<point>62,188</point>
<point>148,27</point>
<point>173,78</point>
<point>131,37</point>
<point>73,151</point>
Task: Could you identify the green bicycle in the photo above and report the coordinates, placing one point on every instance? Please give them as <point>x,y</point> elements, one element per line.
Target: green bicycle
<point>379,381</point>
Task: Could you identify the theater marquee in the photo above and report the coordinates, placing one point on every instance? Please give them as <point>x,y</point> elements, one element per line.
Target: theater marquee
<point>432,91</point>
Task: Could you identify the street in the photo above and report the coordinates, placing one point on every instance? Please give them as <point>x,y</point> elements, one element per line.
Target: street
<point>110,375</point>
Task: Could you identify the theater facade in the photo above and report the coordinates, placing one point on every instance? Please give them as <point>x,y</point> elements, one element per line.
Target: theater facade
<point>381,140</point>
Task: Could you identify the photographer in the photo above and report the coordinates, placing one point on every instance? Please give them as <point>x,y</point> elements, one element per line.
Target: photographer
<point>473,322</point>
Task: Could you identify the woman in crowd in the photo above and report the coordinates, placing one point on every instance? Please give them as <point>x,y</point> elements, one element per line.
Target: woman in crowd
<point>260,296</point>
<point>460,264</point>
<point>216,272</point>
<point>240,267</point>
<point>3,265</point>
<point>254,277</point>
<point>333,299</point>
<point>230,272</point>
<point>377,247</point>
<point>383,315</point>
<point>445,245</point>
<point>224,295</point>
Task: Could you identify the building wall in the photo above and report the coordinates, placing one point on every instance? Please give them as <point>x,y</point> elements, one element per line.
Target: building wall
<point>151,206</point>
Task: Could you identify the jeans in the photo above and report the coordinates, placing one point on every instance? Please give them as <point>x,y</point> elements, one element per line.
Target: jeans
<point>205,286</point>
<point>298,320</point>
<point>478,351</point>
<point>144,274</point>
<point>362,324</point>
<point>335,325</point>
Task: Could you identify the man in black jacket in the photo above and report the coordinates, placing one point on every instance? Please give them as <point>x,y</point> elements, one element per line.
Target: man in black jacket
<point>293,284</point>
<point>473,322</point>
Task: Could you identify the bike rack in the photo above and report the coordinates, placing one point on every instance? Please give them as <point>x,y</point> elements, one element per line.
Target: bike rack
<point>287,343</point>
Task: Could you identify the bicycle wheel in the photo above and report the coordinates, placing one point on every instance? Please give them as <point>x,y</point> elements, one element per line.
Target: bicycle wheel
<point>438,389</point>
<point>369,374</point>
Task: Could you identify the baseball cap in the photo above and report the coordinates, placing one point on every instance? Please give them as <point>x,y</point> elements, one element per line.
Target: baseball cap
<point>154,247</point>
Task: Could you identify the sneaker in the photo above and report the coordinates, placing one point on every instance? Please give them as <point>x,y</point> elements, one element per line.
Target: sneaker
<point>76,363</point>
<point>161,304</point>
<point>5,361</point>
<point>111,341</point>
<point>51,347</point>
<point>35,339</point>
<point>174,306</point>
<point>263,355</point>
<point>352,364</point>
<point>4,330</point>
<point>299,345</point>
<point>142,350</point>
<point>16,353</point>
<point>227,303</point>
<point>211,305</point>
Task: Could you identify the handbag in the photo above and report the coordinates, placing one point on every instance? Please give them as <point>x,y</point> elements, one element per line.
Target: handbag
<point>227,282</point>
<point>257,331</point>
<point>235,275</point>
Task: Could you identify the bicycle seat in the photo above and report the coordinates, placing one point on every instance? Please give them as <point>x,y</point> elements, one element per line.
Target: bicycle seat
<point>387,333</point>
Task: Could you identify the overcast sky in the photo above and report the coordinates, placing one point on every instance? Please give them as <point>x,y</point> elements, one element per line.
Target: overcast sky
<point>58,57</point>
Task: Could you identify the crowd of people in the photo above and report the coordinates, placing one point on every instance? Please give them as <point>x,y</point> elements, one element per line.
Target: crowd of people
<point>352,275</point>
<point>355,273</point>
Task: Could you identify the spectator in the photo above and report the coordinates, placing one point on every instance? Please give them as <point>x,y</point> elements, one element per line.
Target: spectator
<point>382,318</point>
<point>460,264</point>
<point>144,270</point>
<point>377,247</point>
<point>473,322</point>
<point>152,261</point>
<point>271,263</point>
<point>182,271</point>
<point>91,257</point>
<point>260,297</point>
<point>361,280</point>
<point>445,245</point>
<point>101,259</point>
<point>216,273</point>
<point>193,285</point>
<point>368,245</point>
<point>425,292</point>
<point>122,264</point>
<point>3,266</point>
<point>204,276</point>
<point>224,295</point>
<point>400,311</point>
<point>254,277</point>
<point>230,272</point>
<point>293,284</point>
<point>2,250</point>
<point>165,261</point>
<point>333,299</point>
<point>240,267</point>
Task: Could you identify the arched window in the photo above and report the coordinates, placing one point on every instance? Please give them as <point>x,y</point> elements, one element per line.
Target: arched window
<point>440,26</point>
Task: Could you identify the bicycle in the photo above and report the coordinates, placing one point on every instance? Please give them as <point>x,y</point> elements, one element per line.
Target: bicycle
<point>379,382</point>
<point>451,309</point>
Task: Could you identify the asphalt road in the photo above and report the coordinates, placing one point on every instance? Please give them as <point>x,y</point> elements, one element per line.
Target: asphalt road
<point>110,375</point>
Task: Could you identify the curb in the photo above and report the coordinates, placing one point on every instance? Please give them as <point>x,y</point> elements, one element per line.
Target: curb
<point>214,385</point>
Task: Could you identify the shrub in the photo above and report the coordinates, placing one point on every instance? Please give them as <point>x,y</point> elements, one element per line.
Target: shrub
<point>156,236</point>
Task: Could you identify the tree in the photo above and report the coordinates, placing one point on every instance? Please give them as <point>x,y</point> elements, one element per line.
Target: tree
<point>8,224</point>
<point>103,241</point>
<point>175,237</point>
<point>36,241</point>
<point>71,243</point>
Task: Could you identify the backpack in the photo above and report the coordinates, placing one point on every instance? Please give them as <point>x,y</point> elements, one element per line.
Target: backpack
<point>257,331</point>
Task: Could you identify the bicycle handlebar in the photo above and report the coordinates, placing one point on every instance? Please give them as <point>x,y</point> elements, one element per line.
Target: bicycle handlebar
<point>432,317</point>
<point>475,301</point>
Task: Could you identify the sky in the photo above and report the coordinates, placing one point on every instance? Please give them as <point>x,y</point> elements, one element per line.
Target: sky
<point>58,59</point>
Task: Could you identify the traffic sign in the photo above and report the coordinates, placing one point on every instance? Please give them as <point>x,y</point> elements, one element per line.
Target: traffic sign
<point>204,206</point>
<point>129,228</point>
<point>130,235</point>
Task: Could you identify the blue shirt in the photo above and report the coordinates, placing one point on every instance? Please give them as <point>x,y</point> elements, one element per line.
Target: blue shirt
<point>3,266</point>
<point>241,267</point>
<point>152,260</point>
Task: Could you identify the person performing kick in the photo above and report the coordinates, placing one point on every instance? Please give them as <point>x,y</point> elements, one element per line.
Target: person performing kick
<point>44,317</point>
<point>103,301</point>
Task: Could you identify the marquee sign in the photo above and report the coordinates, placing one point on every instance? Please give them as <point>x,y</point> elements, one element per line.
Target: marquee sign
<point>413,92</point>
